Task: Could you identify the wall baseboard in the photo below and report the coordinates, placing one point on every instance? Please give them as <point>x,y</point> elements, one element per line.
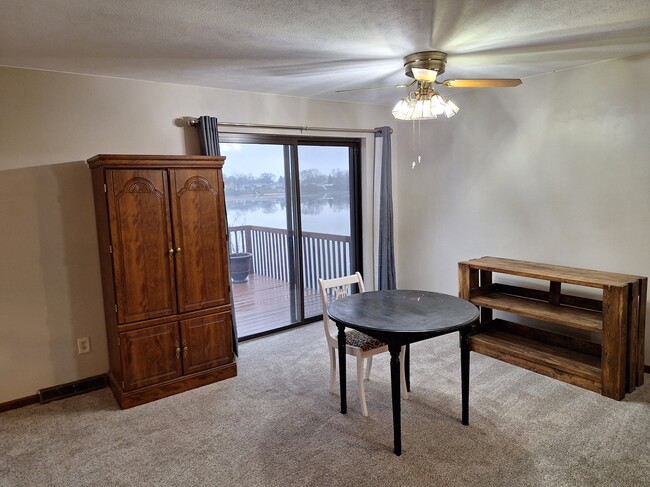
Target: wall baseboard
<point>72,388</point>
<point>18,403</point>
<point>57,392</point>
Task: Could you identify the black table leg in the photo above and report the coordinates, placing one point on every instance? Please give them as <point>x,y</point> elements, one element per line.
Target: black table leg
<point>407,367</point>
<point>342,380</point>
<point>464,374</point>
<point>395,385</point>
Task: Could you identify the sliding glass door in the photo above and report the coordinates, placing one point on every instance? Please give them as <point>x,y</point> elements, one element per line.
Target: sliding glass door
<point>325,217</point>
<point>293,217</point>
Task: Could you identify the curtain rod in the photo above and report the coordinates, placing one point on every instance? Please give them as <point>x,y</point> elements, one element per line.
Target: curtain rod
<point>193,122</point>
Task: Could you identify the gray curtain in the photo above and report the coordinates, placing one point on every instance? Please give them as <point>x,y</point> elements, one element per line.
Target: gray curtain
<point>384,247</point>
<point>209,143</point>
<point>208,136</point>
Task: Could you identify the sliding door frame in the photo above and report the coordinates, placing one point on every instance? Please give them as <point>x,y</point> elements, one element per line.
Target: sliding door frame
<point>292,189</point>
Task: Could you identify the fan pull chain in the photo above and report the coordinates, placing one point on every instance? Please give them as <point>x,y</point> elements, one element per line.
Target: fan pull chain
<point>419,143</point>
<point>413,137</point>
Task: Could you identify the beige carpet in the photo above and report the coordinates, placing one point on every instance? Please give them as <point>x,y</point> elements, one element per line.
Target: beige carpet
<point>276,424</point>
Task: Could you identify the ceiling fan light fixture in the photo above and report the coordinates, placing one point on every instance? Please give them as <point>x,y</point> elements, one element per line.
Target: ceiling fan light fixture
<point>451,109</point>
<point>403,109</point>
<point>424,105</point>
<point>423,74</point>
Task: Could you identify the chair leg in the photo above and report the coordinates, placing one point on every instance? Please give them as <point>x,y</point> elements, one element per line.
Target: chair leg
<point>402,373</point>
<point>368,367</point>
<point>362,391</point>
<point>332,370</point>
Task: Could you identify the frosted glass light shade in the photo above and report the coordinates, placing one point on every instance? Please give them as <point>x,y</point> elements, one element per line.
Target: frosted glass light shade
<point>417,106</point>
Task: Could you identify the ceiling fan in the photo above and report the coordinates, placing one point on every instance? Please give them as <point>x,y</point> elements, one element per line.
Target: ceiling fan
<point>425,102</point>
<point>427,65</point>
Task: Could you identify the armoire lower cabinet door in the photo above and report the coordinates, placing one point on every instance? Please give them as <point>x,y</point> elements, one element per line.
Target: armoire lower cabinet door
<point>150,355</point>
<point>207,342</point>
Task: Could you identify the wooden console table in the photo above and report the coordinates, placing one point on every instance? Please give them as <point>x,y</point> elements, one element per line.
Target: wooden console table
<point>597,344</point>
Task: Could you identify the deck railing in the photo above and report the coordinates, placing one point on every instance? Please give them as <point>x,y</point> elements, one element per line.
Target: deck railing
<point>324,255</point>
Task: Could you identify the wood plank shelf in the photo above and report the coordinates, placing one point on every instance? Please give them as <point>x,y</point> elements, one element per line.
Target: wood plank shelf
<point>574,317</point>
<point>612,364</point>
<point>506,343</point>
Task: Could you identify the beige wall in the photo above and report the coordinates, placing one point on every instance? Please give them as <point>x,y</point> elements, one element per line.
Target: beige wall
<point>50,290</point>
<point>556,170</point>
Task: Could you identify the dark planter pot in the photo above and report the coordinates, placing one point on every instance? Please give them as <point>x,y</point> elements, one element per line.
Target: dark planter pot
<point>240,265</point>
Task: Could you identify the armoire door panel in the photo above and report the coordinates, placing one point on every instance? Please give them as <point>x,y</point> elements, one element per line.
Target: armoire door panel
<point>200,238</point>
<point>150,355</point>
<point>207,342</point>
<point>141,237</point>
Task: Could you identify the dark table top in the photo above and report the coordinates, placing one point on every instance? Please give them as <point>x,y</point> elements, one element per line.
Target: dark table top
<point>403,316</point>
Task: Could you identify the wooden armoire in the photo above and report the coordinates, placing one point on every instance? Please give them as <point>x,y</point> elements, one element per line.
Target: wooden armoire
<point>162,233</point>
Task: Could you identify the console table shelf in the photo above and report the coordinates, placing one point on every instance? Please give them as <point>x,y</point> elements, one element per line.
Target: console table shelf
<point>573,317</point>
<point>609,360</point>
<point>539,354</point>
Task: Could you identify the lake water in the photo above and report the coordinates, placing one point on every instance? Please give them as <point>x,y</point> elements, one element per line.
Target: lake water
<point>254,178</point>
<point>323,214</point>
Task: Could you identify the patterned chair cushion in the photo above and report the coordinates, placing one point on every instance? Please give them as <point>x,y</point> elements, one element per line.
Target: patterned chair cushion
<point>361,340</point>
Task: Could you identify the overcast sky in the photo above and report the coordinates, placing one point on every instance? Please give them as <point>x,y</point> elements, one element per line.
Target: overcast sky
<point>257,159</point>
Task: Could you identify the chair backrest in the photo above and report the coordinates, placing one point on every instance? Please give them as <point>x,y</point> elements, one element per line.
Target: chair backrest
<point>331,289</point>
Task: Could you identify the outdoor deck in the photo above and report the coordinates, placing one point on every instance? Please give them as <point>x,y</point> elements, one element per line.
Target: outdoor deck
<point>263,303</point>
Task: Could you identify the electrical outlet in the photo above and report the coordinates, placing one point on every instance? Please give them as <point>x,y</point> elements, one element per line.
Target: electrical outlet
<point>83,345</point>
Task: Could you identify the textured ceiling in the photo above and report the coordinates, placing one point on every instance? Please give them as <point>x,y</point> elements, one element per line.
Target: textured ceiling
<point>312,47</point>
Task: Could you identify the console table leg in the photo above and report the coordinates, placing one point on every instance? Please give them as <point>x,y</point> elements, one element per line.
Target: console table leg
<point>464,374</point>
<point>342,379</point>
<point>395,384</point>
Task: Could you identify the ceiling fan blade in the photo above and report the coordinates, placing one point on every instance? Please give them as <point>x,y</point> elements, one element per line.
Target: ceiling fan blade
<point>377,88</point>
<point>481,83</point>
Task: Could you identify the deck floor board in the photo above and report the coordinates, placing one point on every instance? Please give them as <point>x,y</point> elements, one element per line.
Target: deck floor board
<point>264,303</point>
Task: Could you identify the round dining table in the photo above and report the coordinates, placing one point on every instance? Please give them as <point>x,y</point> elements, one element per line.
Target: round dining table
<point>402,317</point>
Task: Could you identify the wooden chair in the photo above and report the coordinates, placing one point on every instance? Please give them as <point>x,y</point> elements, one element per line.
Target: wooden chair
<point>358,344</point>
